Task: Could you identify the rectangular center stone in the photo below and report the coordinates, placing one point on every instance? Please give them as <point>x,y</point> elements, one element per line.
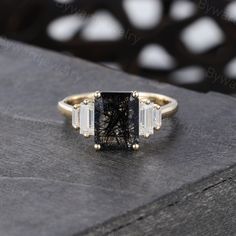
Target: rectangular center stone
<point>116,120</point>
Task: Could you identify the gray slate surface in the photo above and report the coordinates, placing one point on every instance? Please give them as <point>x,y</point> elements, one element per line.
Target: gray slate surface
<point>53,183</point>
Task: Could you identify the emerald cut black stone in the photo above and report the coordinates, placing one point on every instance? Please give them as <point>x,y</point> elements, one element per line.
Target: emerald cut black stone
<point>116,120</point>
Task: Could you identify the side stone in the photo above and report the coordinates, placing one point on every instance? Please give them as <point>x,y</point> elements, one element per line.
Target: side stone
<point>87,119</point>
<point>149,118</point>
<point>76,117</point>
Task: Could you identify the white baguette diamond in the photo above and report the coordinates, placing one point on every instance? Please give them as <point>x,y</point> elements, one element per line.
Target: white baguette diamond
<point>149,118</point>
<point>75,117</point>
<point>83,118</point>
<point>87,119</point>
<point>157,118</point>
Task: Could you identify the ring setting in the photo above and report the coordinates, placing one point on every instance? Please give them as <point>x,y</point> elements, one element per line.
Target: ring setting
<point>117,119</point>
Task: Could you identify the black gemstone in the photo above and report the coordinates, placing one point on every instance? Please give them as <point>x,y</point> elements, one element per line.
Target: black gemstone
<point>116,120</point>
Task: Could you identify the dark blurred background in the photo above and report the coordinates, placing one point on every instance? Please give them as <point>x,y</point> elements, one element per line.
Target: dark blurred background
<point>183,42</point>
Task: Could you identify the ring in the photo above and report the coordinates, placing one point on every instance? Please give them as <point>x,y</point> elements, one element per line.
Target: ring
<point>117,119</point>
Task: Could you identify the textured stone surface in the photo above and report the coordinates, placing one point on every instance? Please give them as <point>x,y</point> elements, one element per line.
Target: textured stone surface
<point>116,120</point>
<point>206,208</point>
<point>52,182</point>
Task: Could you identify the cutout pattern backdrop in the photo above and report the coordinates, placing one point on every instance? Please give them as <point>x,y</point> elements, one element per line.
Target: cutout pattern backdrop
<point>184,42</point>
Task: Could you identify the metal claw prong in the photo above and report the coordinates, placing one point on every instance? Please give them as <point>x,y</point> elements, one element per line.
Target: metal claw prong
<point>86,135</point>
<point>135,94</point>
<point>97,94</point>
<point>85,101</point>
<point>76,106</point>
<point>97,147</point>
<point>157,107</point>
<point>136,147</point>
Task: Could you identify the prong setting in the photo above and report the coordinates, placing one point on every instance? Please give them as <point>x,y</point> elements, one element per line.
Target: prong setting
<point>119,112</point>
<point>149,116</point>
<point>86,135</point>
<point>97,147</point>
<point>86,101</point>
<point>135,147</point>
<point>157,107</point>
<point>76,106</point>
<point>97,94</point>
<point>135,94</point>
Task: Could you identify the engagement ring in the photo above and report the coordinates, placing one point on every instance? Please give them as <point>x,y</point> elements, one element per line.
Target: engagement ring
<point>117,119</point>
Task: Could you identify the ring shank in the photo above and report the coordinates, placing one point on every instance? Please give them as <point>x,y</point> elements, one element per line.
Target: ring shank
<point>168,105</point>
